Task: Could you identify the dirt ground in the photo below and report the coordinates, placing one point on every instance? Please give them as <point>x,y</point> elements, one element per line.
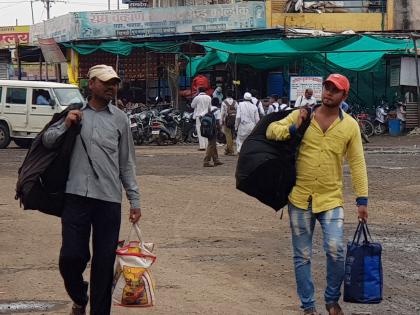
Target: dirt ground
<point>220,251</point>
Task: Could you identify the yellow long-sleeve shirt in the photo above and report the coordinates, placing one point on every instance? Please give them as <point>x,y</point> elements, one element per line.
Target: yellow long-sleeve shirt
<point>319,164</point>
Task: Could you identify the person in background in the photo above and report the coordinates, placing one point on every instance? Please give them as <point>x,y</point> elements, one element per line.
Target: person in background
<point>274,106</point>
<point>120,104</point>
<point>318,193</point>
<point>401,114</point>
<point>228,112</point>
<point>41,98</point>
<point>306,100</point>
<point>284,104</point>
<point>102,162</point>
<point>201,105</point>
<point>211,151</point>
<point>257,102</point>
<point>345,107</point>
<point>218,94</point>
<point>216,110</point>
<point>246,119</point>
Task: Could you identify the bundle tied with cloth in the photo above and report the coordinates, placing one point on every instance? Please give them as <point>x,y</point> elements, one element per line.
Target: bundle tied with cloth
<point>266,169</point>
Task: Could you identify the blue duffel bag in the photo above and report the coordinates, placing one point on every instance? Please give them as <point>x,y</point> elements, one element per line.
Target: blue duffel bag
<point>363,280</point>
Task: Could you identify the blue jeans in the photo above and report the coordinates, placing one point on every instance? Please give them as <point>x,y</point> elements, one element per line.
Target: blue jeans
<point>302,223</point>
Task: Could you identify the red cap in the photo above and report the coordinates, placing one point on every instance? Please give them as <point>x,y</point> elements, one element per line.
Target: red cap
<point>340,81</point>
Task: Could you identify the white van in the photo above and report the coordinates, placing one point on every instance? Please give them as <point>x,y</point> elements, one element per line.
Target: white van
<point>27,106</point>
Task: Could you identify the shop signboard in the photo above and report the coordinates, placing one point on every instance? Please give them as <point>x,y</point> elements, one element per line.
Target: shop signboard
<point>298,85</point>
<point>167,21</point>
<point>52,53</point>
<point>31,72</point>
<point>11,35</point>
<point>61,28</point>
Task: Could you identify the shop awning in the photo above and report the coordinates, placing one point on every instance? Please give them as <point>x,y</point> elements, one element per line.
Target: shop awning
<point>355,52</point>
<point>122,47</point>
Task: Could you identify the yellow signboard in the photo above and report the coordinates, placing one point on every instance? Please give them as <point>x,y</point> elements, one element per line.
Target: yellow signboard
<point>11,35</point>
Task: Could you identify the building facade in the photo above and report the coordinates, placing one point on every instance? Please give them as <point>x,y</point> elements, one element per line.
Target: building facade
<point>407,15</point>
<point>333,16</point>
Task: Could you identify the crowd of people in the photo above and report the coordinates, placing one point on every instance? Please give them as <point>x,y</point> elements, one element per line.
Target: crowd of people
<point>237,117</point>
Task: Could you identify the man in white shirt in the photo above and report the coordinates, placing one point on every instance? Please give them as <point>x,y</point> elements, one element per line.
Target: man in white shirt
<point>201,105</point>
<point>229,107</point>
<point>284,105</point>
<point>401,114</point>
<point>306,100</point>
<point>274,105</point>
<point>246,119</point>
<point>257,102</point>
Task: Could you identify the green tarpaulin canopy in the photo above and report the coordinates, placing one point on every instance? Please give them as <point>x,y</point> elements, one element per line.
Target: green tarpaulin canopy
<point>355,52</point>
<point>123,48</point>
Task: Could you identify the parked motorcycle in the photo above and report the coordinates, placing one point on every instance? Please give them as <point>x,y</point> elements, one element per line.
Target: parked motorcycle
<point>145,121</point>
<point>381,118</point>
<point>187,125</point>
<point>165,127</point>
<point>135,129</point>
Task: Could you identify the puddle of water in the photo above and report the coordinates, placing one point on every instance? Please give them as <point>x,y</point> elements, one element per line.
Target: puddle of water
<point>29,306</point>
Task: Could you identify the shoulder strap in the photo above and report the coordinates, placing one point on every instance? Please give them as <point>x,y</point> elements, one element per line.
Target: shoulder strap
<point>89,159</point>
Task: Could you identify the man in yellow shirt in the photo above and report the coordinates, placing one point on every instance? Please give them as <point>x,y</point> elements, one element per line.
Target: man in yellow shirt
<point>318,194</point>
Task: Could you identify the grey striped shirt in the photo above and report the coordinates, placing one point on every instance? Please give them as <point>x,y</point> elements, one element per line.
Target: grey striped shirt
<point>110,146</point>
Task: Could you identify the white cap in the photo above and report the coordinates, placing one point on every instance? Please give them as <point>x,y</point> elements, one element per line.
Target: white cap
<point>103,73</point>
<point>248,96</point>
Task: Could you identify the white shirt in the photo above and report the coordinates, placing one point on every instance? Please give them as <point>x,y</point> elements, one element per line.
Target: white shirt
<point>258,103</point>
<point>246,113</point>
<point>401,113</point>
<point>303,101</point>
<point>201,104</point>
<point>273,108</point>
<point>216,112</point>
<point>284,107</point>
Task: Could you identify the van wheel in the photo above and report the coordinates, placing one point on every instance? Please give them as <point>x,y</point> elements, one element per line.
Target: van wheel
<point>23,143</point>
<point>4,136</point>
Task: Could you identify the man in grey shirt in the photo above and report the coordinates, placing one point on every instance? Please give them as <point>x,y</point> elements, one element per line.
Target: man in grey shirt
<point>102,161</point>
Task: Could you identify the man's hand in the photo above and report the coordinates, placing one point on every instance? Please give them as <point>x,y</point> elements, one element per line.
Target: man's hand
<point>362,213</point>
<point>135,214</point>
<point>303,114</point>
<point>73,117</point>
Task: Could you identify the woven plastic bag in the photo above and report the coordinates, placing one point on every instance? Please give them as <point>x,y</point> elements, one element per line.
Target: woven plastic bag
<point>133,285</point>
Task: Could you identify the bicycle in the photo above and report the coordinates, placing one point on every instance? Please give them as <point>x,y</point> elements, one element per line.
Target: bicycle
<point>366,126</point>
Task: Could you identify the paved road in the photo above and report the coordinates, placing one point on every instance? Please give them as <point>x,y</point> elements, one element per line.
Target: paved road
<point>220,251</point>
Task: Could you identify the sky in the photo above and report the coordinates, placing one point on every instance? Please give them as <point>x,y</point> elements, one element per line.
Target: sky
<point>21,9</point>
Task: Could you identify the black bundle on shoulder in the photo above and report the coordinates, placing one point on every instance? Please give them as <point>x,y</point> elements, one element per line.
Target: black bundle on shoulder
<point>43,175</point>
<point>266,169</point>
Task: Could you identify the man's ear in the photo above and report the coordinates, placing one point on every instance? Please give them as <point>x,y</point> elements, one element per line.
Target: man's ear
<point>345,96</point>
<point>91,82</point>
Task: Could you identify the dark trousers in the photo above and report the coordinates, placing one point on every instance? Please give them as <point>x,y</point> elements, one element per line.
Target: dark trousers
<point>79,215</point>
<point>211,151</point>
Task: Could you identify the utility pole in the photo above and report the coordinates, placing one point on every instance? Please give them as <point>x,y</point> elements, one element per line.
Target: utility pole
<point>47,6</point>
<point>32,10</point>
